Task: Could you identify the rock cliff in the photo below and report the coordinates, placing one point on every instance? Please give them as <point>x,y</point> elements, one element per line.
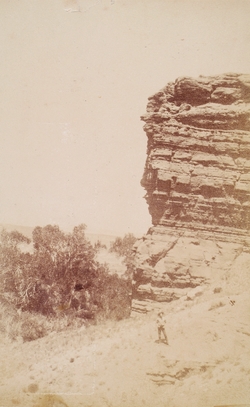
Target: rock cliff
<point>197,182</point>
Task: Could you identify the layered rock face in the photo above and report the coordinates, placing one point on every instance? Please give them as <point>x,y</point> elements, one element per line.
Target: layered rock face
<point>197,182</point>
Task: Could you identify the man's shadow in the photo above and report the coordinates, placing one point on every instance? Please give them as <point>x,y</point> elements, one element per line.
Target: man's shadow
<point>162,341</point>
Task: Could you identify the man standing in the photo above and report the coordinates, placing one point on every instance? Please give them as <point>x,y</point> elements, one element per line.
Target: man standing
<point>161,321</point>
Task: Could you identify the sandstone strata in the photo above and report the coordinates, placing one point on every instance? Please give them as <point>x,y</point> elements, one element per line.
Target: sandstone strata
<point>197,182</point>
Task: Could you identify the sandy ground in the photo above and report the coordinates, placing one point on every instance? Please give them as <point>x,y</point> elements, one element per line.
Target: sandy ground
<point>207,362</point>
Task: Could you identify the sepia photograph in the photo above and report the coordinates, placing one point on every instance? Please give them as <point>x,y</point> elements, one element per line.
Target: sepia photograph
<point>125,203</point>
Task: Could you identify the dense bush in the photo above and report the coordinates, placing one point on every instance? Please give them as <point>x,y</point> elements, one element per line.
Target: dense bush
<point>58,277</point>
<point>112,296</point>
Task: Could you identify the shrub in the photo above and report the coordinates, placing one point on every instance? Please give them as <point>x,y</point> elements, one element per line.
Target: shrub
<point>28,327</point>
<point>216,305</point>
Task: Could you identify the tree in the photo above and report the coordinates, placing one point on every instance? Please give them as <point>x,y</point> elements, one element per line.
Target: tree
<point>99,245</point>
<point>58,255</point>
<point>123,245</point>
<point>13,263</point>
<point>124,248</point>
<point>60,262</point>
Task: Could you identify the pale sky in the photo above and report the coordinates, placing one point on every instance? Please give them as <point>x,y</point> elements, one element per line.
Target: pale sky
<point>73,86</point>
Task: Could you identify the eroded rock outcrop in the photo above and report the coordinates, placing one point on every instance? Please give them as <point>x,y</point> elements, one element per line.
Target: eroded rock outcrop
<point>197,182</point>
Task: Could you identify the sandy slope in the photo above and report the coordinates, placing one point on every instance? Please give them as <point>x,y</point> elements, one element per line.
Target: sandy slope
<point>121,364</point>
